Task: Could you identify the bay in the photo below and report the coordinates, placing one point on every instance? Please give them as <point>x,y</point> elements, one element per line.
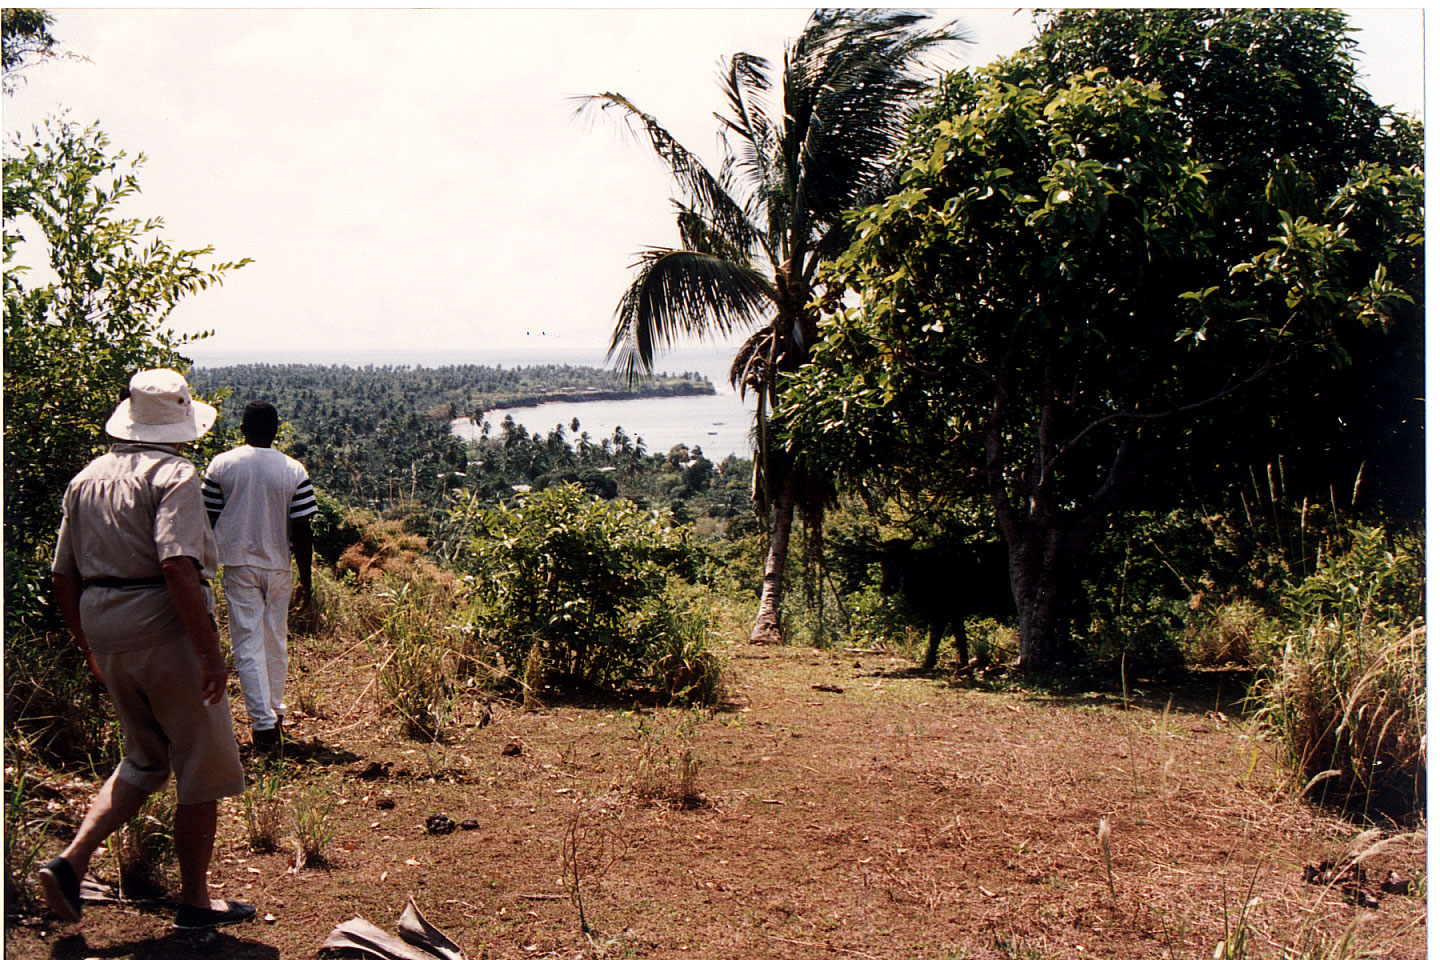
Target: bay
<point>718,424</point>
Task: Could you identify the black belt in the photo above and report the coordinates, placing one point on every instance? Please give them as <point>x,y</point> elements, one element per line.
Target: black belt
<point>115,583</point>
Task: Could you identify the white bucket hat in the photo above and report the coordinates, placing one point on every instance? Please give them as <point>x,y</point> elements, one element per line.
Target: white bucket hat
<point>160,410</point>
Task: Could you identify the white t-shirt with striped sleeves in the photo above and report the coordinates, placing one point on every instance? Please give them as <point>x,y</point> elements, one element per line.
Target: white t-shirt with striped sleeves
<point>252,494</point>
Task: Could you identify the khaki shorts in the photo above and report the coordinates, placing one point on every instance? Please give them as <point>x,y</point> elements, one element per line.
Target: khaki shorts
<point>167,726</point>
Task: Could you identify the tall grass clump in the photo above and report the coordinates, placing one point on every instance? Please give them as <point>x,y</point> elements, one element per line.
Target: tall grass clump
<point>25,836</point>
<point>685,665</point>
<point>54,709</point>
<point>1345,690</point>
<point>145,846</point>
<point>667,768</point>
<point>312,817</point>
<point>263,809</point>
<point>419,635</point>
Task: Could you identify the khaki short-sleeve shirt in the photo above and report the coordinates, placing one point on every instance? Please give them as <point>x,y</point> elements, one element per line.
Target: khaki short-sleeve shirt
<point>128,510</point>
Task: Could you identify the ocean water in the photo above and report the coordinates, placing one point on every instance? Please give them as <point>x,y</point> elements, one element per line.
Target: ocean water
<point>718,424</point>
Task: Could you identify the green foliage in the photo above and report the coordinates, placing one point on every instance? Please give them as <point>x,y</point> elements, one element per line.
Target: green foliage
<point>878,621</point>
<point>72,342</point>
<point>683,663</point>
<point>585,581</point>
<point>752,234</point>
<point>332,528</point>
<point>379,437</point>
<point>27,37</point>
<point>1345,693</point>
<point>1142,576</point>
<point>1071,308</point>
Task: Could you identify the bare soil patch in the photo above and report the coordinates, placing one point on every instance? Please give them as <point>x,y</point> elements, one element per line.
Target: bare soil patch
<point>838,805</point>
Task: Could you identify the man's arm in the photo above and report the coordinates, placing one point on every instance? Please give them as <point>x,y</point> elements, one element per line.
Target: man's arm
<point>214,497</point>
<point>67,598</point>
<point>182,578</point>
<point>302,543</point>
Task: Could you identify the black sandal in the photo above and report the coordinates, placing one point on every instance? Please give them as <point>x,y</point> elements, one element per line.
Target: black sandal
<point>204,918</point>
<point>62,889</point>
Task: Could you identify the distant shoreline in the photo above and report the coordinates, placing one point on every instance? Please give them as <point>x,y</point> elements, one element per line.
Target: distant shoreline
<point>710,359</point>
<point>696,388</point>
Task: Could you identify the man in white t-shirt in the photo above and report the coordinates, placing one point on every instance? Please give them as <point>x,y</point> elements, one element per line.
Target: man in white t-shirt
<point>260,502</point>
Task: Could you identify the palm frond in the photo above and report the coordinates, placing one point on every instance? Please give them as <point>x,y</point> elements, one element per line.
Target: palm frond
<point>754,365</point>
<point>849,88</point>
<point>699,235</point>
<point>699,186</point>
<point>682,293</point>
<point>744,83</point>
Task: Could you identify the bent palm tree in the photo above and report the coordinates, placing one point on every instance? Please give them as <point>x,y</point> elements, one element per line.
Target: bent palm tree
<point>752,236</point>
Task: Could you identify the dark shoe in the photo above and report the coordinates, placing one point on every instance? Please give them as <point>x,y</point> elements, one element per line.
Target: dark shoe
<point>203,918</point>
<point>62,889</point>
<point>265,739</point>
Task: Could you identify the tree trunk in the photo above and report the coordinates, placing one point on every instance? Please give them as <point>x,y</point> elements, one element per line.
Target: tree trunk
<point>767,618</point>
<point>1054,611</point>
<point>1038,624</point>
<point>1035,575</point>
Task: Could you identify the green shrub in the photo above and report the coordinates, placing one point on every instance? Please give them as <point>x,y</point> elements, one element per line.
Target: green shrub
<point>1345,693</point>
<point>1235,632</point>
<point>684,664</point>
<point>74,334</point>
<point>332,528</point>
<point>877,621</point>
<point>1143,574</point>
<point>585,579</point>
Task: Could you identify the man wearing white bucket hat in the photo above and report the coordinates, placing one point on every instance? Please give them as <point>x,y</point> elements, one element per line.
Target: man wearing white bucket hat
<point>131,563</point>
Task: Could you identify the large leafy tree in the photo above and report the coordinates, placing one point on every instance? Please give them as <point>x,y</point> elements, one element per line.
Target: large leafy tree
<point>753,233</point>
<point>73,338</point>
<point>1089,283</point>
<point>1269,98</point>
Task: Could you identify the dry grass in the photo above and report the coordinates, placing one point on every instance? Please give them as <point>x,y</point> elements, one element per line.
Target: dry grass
<point>901,818</point>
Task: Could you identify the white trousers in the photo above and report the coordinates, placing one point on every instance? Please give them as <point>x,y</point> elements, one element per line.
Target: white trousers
<point>258,604</point>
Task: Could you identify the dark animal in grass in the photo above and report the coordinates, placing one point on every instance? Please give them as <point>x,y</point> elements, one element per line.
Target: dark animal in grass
<point>944,586</point>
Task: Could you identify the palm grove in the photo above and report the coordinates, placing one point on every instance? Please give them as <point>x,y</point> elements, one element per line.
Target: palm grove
<point>1091,296</point>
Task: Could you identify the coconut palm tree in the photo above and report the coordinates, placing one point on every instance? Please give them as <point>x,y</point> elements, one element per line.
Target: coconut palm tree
<point>753,233</point>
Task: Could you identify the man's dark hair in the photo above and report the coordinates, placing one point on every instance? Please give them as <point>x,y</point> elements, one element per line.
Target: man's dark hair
<point>259,423</point>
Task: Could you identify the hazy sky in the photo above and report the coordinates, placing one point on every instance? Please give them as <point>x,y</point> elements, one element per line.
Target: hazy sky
<point>415,179</point>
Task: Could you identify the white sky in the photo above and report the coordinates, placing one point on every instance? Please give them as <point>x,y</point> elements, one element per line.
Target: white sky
<point>415,179</point>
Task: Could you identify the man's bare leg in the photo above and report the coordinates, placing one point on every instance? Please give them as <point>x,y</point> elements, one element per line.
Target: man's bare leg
<point>194,844</point>
<point>113,807</point>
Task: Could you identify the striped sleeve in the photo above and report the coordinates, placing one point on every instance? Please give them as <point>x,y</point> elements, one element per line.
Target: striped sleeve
<point>302,504</point>
<point>214,498</point>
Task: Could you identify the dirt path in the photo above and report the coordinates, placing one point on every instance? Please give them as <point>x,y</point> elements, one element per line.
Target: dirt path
<point>847,809</point>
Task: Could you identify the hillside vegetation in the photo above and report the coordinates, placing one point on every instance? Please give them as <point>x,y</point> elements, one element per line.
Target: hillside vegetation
<point>1152,339</point>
